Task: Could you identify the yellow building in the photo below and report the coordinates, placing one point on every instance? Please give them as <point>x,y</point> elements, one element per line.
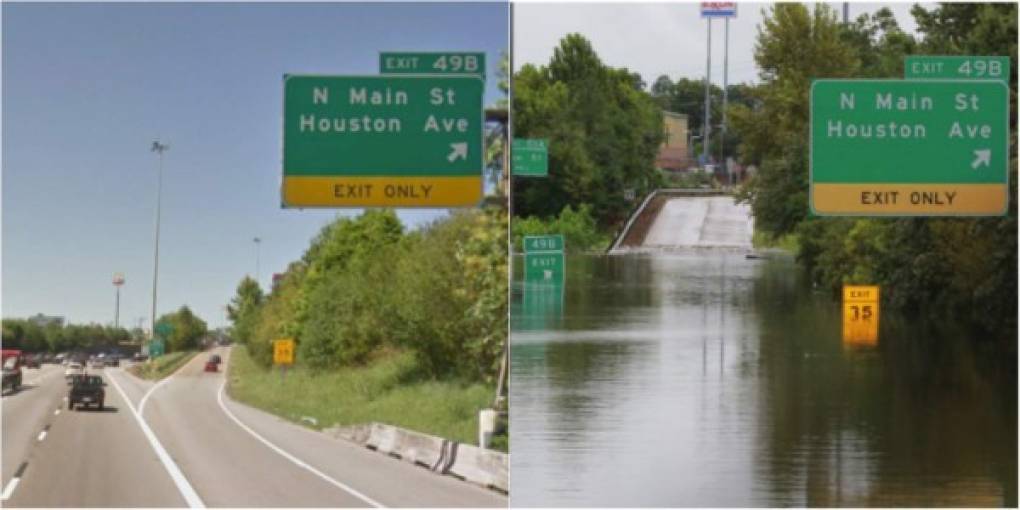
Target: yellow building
<point>674,154</point>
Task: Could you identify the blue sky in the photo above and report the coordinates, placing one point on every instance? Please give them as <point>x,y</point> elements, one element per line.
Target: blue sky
<point>88,87</point>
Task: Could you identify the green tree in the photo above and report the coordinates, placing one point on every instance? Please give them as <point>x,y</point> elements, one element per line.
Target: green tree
<point>188,329</point>
<point>603,129</point>
<point>244,308</point>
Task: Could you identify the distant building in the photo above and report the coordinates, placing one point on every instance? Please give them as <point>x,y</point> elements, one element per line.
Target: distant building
<point>45,320</point>
<point>674,153</point>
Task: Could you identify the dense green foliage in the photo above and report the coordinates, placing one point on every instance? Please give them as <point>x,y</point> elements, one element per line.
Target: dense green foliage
<point>242,309</point>
<point>188,330</point>
<point>28,336</point>
<point>365,286</point>
<point>965,267</point>
<point>604,132</point>
<point>579,230</point>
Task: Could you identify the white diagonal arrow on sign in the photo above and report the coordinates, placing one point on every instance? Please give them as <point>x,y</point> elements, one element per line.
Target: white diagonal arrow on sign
<point>459,151</point>
<point>982,157</point>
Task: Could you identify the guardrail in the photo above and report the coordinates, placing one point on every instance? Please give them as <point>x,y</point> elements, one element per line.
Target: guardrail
<point>484,467</point>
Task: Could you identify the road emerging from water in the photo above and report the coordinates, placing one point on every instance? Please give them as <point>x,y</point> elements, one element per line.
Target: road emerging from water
<point>183,442</point>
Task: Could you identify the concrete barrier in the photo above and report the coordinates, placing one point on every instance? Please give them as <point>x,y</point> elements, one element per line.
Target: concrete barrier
<point>484,467</point>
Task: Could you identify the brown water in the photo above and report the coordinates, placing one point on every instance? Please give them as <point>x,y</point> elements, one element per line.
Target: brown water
<point>705,379</point>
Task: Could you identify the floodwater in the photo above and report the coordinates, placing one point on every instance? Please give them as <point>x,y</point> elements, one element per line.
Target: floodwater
<point>702,378</point>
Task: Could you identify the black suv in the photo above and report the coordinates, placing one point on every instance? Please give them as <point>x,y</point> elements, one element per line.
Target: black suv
<point>86,390</point>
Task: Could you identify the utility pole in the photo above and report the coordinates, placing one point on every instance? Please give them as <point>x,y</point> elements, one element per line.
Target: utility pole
<point>159,149</point>
<point>725,96</point>
<point>258,243</point>
<point>706,131</point>
<point>846,12</point>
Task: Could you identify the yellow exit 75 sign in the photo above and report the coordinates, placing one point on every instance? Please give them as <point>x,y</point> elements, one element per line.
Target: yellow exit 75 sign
<point>860,314</point>
<point>283,351</point>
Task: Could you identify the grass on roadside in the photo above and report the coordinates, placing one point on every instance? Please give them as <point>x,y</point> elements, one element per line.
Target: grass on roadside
<point>162,366</point>
<point>387,391</point>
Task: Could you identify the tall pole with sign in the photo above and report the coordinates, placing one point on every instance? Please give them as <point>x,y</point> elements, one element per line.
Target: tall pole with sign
<point>706,130</point>
<point>725,93</point>
<point>118,280</point>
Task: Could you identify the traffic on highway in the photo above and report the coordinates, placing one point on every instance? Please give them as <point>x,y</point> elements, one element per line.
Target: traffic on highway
<point>90,433</point>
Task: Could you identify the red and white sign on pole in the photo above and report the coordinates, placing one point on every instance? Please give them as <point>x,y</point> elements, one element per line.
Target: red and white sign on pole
<point>718,9</point>
<point>118,279</point>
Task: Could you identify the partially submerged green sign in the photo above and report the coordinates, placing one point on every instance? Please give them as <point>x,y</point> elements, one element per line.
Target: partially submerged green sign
<point>543,243</point>
<point>430,62</point>
<point>909,148</point>
<point>529,157</point>
<point>547,266</point>
<point>927,67</point>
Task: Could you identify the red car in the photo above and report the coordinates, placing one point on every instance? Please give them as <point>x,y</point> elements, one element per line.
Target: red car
<point>211,366</point>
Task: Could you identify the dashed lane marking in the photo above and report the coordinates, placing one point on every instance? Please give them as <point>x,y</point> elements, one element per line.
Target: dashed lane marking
<point>9,490</point>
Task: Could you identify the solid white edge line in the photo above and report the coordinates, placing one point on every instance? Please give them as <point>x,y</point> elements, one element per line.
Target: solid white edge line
<point>185,488</point>
<point>42,435</point>
<point>288,456</point>
<point>9,490</point>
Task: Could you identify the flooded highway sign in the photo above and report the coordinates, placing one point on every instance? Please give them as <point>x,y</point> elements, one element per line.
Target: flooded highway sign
<point>382,141</point>
<point>909,148</point>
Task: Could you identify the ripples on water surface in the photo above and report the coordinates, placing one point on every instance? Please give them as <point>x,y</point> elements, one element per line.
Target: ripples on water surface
<point>704,379</point>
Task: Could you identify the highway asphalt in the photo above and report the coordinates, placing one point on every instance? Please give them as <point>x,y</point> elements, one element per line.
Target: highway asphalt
<point>184,442</point>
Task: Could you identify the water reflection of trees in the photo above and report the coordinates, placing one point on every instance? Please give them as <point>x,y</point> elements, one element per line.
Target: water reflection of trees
<point>927,418</point>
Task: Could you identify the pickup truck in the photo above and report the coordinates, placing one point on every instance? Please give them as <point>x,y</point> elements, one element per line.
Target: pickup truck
<point>86,390</point>
<point>11,369</point>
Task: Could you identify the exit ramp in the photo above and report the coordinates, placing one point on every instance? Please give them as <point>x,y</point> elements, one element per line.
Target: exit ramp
<point>671,222</point>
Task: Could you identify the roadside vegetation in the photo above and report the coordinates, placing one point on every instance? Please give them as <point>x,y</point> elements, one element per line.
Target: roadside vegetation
<point>579,230</point>
<point>29,336</point>
<point>388,388</point>
<point>162,366</point>
<point>963,268</point>
<point>381,317</point>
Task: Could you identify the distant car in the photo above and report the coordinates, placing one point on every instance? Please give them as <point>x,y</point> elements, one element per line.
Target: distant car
<point>215,358</point>
<point>86,390</point>
<point>97,363</point>
<point>74,368</point>
<point>212,366</point>
<point>30,361</point>
<point>140,357</point>
<point>113,361</point>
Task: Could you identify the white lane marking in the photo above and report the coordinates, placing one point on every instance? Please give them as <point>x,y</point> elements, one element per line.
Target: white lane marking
<point>295,460</point>
<point>42,435</point>
<point>9,490</point>
<point>185,488</point>
<point>56,412</point>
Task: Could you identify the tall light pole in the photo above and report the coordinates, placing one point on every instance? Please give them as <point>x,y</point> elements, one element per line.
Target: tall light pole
<point>118,280</point>
<point>159,149</point>
<point>258,242</point>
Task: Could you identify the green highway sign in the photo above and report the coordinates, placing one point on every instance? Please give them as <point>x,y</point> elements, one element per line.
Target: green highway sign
<point>447,62</point>
<point>543,243</point>
<point>529,158</point>
<point>923,67</point>
<point>541,305</point>
<point>164,329</point>
<point>157,347</point>
<point>909,148</point>
<point>382,141</point>
<point>545,266</point>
